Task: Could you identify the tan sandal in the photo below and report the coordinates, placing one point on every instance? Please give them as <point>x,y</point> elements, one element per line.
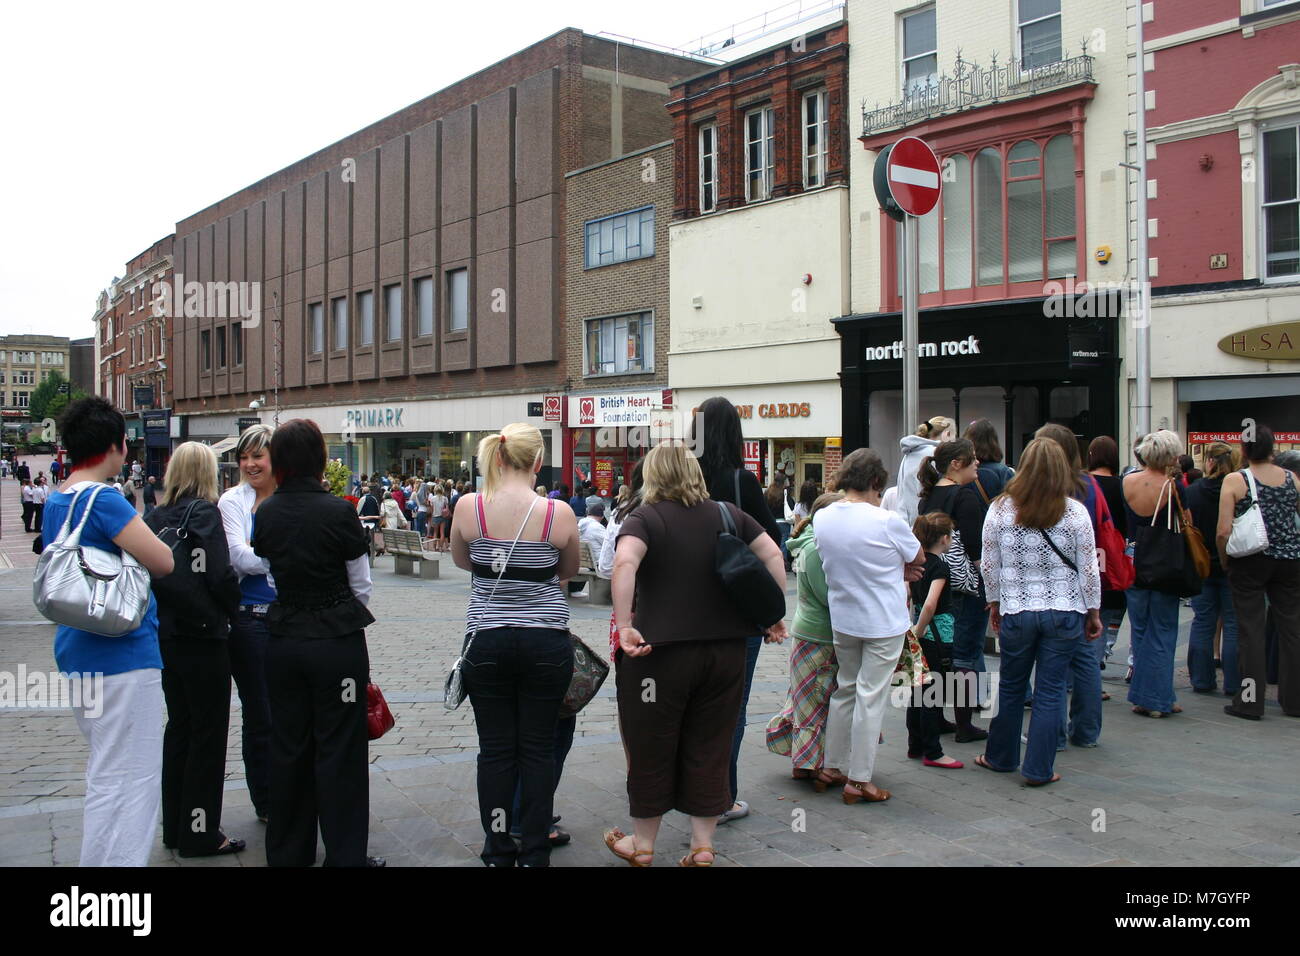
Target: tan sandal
<point>880,796</point>
<point>689,858</point>
<point>613,836</point>
<point>824,779</point>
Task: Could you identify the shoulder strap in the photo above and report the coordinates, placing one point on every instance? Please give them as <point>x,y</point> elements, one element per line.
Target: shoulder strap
<point>728,523</point>
<point>1103,506</point>
<point>738,470</point>
<point>1052,544</point>
<point>501,572</point>
<point>980,488</point>
<point>546,525</point>
<point>482,518</point>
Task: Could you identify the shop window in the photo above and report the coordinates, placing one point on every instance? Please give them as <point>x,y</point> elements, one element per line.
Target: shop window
<point>708,168</point>
<point>920,51</point>
<point>366,318</point>
<point>339,314</point>
<point>392,313</point>
<point>760,154</point>
<point>620,345</point>
<point>815,134</point>
<point>629,235</point>
<point>424,306</point>
<point>457,300</point>
<point>316,323</point>
<point>205,350</point>
<point>1281,202</point>
<point>987,191</point>
<point>1039,33</point>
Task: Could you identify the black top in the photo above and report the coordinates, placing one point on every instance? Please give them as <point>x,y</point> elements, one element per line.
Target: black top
<point>1112,488</point>
<point>1203,502</point>
<point>936,568</point>
<point>1134,519</point>
<point>150,494</point>
<point>200,597</point>
<point>368,506</point>
<point>308,535</point>
<point>964,505</point>
<point>752,499</point>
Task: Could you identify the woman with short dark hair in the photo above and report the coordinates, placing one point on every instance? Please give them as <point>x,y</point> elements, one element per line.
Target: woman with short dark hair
<point>1272,574</point>
<point>992,475</point>
<point>868,554</point>
<point>317,667</point>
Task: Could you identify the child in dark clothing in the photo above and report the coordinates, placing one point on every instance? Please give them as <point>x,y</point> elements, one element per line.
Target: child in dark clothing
<point>931,602</point>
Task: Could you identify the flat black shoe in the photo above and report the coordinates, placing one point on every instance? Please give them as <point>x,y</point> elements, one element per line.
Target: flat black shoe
<point>970,736</point>
<point>559,837</point>
<point>375,861</point>
<point>231,846</point>
<point>1233,712</point>
<point>946,727</point>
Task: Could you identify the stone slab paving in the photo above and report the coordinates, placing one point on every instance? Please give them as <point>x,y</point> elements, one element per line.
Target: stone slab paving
<point>1200,789</point>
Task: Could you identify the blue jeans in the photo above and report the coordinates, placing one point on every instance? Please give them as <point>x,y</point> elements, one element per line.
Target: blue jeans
<point>1050,641</point>
<point>1214,600</point>
<point>421,523</point>
<point>248,640</point>
<point>1082,724</point>
<point>753,645</point>
<point>1153,624</point>
<point>1111,619</point>
<point>970,624</point>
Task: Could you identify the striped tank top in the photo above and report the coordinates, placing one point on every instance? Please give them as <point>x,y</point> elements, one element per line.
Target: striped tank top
<point>529,594</point>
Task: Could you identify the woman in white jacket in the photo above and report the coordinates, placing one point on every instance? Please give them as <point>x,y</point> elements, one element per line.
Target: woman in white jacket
<point>249,636</point>
<point>392,517</point>
<point>916,448</point>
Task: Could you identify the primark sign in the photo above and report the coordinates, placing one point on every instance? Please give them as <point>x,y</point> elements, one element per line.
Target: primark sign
<point>375,418</point>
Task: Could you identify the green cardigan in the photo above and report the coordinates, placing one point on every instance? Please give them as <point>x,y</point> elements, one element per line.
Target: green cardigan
<point>812,617</point>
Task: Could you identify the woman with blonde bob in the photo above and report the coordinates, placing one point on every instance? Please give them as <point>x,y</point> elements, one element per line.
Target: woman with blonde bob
<point>518,548</point>
<point>196,604</point>
<point>686,640</point>
<point>1039,564</point>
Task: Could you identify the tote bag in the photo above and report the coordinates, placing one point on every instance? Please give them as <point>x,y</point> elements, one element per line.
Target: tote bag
<point>1161,558</point>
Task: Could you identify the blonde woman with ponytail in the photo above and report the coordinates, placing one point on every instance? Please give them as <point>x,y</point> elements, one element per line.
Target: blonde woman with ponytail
<point>518,666</point>
<point>916,448</point>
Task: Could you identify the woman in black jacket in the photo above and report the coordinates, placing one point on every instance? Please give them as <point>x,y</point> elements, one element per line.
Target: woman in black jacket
<point>317,667</point>
<point>719,444</point>
<point>196,604</point>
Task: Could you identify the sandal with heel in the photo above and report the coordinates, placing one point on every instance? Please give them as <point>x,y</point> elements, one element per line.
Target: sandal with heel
<point>689,858</point>
<point>864,794</point>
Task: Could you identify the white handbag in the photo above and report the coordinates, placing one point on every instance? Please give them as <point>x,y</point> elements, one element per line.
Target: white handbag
<point>1249,534</point>
<point>87,588</point>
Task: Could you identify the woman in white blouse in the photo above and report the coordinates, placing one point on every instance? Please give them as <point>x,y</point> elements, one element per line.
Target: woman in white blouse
<point>1044,591</point>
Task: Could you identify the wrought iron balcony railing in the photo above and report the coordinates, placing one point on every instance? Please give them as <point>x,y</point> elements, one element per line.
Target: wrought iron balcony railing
<point>971,86</point>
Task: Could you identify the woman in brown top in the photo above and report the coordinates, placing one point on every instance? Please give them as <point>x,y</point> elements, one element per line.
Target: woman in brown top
<point>681,658</point>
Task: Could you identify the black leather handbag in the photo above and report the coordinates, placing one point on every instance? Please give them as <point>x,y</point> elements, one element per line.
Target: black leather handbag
<point>745,578</point>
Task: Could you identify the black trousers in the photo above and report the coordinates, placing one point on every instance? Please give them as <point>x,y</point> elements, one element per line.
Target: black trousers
<point>516,678</point>
<point>38,515</point>
<point>1252,579</point>
<point>248,640</point>
<point>319,749</point>
<point>29,512</point>
<point>925,710</point>
<point>196,685</point>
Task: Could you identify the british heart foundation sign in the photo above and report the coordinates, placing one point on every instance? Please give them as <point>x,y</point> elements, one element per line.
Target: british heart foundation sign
<point>1280,342</point>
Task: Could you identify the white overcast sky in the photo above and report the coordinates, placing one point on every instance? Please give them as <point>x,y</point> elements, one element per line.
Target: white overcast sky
<point>119,119</point>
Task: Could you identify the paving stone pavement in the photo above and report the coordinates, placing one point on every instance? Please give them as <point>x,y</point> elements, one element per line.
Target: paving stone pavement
<point>1200,789</point>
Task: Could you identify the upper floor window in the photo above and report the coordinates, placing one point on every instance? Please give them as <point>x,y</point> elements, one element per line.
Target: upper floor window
<point>24,377</point>
<point>1027,186</point>
<point>622,344</point>
<point>339,313</point>
<point>457,300</point>
<point>366,318</point>
<point>316,328</point>
<point>1040,33</point>
<point>205,350</point>
<point>424,306</point>
<point>392,313</point>
<point>24,358</point>
<point>22,399</point>
<point>236,343</point>
<point>629,235</point>
<point>221,347</point>
<point>816,128</point>
<point>1281,202</point>
<point>760,154</point>
<point>708,168</point>
<point>920,49</point>
<point>51,358</point>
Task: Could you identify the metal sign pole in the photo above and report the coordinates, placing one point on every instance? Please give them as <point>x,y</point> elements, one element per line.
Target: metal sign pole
<point>911,324</point>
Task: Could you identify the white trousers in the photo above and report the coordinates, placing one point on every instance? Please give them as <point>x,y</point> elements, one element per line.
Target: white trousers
<point>124,772</point>
<point>857,708</point>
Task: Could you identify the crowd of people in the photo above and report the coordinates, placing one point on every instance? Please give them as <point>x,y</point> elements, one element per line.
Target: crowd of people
<point>897,586</point>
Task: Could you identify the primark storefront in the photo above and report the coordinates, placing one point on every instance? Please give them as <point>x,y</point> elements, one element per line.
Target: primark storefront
<point>1019,364</point>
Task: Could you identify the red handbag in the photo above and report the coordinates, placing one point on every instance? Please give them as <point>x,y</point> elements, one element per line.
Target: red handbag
<point>1117,572</point>
<point>379,719</point>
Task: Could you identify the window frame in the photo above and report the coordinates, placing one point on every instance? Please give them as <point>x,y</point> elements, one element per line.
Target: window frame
<point>767,141</point>
<point>316,331</point>
<point>236,344</point>
<point>335,345</point>
<point>365,295</point>
<point>388,314</point>
<point>646,318</point>
<point>220,339</point>
<point>448,277</point>
<point>1021,23</point>
<point>822,155</point>
<point>903,58</point>
<point>1261,258</point>
<point>205,350</point>
<point>710,127</point>
<point>418,330</point>
<point>626,225</point>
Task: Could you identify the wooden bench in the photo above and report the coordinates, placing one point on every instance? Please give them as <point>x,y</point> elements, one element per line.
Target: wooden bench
<point>407,550</point>
<point>598,588</point>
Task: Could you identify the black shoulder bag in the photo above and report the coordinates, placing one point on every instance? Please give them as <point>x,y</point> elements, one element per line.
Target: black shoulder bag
<point>756,596</point>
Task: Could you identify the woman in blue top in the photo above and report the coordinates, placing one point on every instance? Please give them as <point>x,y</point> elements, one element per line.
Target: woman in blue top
<point>249,635</point>
<point>121,711</point>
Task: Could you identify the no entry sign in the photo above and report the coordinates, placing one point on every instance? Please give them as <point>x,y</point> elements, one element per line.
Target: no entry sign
<point>912,172</point>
